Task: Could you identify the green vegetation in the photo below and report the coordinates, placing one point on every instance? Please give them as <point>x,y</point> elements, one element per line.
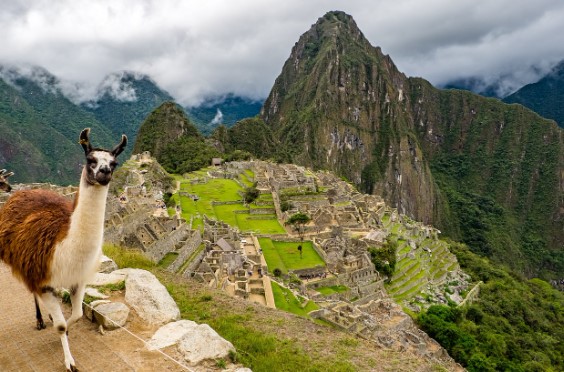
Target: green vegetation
<point>187,154</point>
<point>515,325</point>
<point>286,256</point>
<point>39,130</point>
<point>258,346</point>
<point>233,108</point>
<point>168,259</point>
<point>332,289</point>
<point>125,117</point>
<point>250,194</point>
<point>128,257</point>
<point>545,96</point>
<point>250,135</point>
<point>218,190</point>
<point>298,221</point>
<point>285,300</point>
<point>384,258</point>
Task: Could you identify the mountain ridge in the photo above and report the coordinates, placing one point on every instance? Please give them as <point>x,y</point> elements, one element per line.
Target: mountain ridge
<point>546,96</point>
<point>468,164</point>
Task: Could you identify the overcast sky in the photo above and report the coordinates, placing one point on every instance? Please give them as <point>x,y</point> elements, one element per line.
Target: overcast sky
<point>195,49</point>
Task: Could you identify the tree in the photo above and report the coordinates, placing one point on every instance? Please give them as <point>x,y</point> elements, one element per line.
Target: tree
<point>251,194</point>
<point>298,221</point>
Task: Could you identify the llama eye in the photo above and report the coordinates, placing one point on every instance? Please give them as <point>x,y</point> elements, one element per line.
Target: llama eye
<point>113,164</point>
<point>91,162</point>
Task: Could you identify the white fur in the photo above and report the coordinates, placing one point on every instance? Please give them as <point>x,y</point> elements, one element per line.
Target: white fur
<point>77,257</point>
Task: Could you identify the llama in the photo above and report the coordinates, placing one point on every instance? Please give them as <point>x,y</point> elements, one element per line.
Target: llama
<point>50,242</point>
<point>4,185</point>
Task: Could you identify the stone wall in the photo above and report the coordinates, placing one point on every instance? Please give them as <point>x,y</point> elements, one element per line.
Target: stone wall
<point>192,243</point>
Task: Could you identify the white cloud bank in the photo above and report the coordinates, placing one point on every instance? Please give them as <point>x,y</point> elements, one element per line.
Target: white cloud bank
<point>194,49</point>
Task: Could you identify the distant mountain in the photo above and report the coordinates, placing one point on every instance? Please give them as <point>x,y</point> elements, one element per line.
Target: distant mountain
<point>226,110</point>
<point>39,128</point>
<point>123,102</point>
<point>484,172</point>
<point>476,85</point>
<point>545,96</point>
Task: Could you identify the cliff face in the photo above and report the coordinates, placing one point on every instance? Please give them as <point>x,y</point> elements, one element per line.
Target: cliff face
<point>484,172</point>
<point>340,104</point>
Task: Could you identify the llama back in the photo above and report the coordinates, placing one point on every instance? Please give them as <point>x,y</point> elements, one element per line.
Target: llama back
<point>31,223</point>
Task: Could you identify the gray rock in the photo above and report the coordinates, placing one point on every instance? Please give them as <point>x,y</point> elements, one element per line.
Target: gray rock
<point>203,343</point>
<point>149,298</point>
<point>170,334</point>
<point>112,315</point>
<point>93,292</point>
<point>88,308</point>
<point>104,279</point>
<point>107,265</point>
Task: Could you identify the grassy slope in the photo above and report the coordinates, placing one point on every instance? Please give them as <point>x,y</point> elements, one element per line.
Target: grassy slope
<point>273,340</point>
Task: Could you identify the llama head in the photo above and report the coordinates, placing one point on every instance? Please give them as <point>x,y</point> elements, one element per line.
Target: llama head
<point>100,163</point>
<point>4,185</point>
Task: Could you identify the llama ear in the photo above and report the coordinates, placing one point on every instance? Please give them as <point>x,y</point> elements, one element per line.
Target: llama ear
<point>84,140</point>
<point>121,146</point>
<point>8,174</point>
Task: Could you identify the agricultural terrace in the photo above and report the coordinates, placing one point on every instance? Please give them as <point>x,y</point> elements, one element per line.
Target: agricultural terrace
<point>221,190</point>
<point>286,256</point>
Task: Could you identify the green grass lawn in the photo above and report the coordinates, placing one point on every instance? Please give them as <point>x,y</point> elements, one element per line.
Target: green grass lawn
<point>286,256</point>
<point>265,197</point>
<point>217,189</point>
<point>332,289</point>
<point>269,226</point>
<point>285,300</point>
<point>222,190</point>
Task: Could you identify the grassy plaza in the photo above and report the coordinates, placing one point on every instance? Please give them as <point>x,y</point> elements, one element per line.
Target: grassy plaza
<point>286,256</point>
<point>221,190</point>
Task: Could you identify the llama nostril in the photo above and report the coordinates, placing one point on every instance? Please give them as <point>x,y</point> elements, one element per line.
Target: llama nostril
<point>105,170</point>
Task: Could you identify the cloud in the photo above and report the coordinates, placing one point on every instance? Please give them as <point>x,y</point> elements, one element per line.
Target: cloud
<point>218,118</point>
<point>199,49</point>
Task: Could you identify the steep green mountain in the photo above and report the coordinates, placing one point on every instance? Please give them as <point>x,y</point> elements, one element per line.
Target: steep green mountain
<point>250,135</point>
<point>226,110</point>
<point>486,173</point>
<point>124,100</point>
<point>39,128</point>
<point>546,96</point>
<point>173,140</point>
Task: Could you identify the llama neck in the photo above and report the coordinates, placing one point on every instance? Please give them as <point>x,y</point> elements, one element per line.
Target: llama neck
<point>90,208</point>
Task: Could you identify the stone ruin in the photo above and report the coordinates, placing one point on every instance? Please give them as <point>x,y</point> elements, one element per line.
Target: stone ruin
<point>344,224</point>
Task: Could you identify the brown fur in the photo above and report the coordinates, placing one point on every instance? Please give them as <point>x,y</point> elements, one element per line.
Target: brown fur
<point>31,223</point>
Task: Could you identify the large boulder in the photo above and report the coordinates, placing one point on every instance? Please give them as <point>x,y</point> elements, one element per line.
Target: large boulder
<point>111,315</point>
<point>170,334</point>
<point>202,343</point>
<point>148,297</point>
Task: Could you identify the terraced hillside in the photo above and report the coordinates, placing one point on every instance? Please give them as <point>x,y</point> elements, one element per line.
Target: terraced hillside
<point>426,272</point>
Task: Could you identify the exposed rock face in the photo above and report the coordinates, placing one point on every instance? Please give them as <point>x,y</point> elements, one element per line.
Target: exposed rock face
<point>149,297</point>
<point>464,163</point>
<point>343,112</point>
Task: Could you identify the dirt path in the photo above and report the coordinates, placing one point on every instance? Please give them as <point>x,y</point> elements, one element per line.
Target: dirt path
<point>24,348</point>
